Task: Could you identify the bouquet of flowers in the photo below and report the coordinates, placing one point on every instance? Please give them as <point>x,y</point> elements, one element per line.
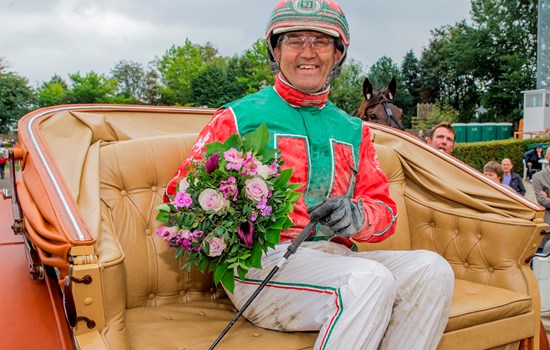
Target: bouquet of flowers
<point>230,208</point>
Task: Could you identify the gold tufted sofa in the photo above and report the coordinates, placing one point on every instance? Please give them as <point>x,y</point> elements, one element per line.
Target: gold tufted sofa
<point>92,176</point>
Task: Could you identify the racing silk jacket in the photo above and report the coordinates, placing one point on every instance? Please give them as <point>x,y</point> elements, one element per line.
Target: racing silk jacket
<point>331,154</point>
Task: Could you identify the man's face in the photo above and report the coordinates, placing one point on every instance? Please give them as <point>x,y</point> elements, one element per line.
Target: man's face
<point>506,166</point>
<point>442,139</point>
<point>306,69</point>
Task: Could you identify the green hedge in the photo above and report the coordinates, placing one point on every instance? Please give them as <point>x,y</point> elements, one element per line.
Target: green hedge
<point>477,154</point>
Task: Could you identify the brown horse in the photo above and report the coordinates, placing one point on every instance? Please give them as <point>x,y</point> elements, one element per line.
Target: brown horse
<point>378,106</point>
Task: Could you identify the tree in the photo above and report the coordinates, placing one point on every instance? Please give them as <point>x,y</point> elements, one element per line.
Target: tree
<point>512,28</point>
<point>381,74</point>
<point>131,80</point>
<point>410,74</point>
<point>485,64</point>
<point>92,88</point>
<point>346,91</point>
<point>210,86</point>
<point>255,69</point>
<point>53,92</point>
<point>178,67</point>
<point>151,88</point>
<point>16,98</point>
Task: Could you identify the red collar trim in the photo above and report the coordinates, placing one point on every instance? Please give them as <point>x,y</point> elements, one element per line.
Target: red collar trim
<point>298,98</point>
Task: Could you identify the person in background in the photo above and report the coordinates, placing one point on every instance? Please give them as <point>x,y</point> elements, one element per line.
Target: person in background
<point>510,178</point>
<point>442,137</point>
<point>493,171</point>
<point>355,300</point>
<point>532,158</point>
<point>541,188</point>
<point>3,161</point>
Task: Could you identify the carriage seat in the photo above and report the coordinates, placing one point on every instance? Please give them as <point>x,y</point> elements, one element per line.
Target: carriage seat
<point>151,303</point>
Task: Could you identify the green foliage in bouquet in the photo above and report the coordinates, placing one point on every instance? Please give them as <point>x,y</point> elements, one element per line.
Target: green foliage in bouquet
<point>230,208</point>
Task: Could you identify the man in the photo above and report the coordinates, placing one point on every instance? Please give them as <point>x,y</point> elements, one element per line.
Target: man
<point>532,160</point>
<point>541,188</point>
<point>3,161</point>
<point>442,137</point>
<point>512,179</point>
<point>365,300</point>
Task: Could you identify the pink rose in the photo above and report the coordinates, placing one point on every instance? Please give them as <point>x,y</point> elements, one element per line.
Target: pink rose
<point>183,185</point>
<point>217,246</point>
<point>210,199</point>
<point>256,189</point>
<point>263,171</point>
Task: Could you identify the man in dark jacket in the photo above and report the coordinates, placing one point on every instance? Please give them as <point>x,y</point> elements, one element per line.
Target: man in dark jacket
<point>512,179</point>
<point>532,158</point>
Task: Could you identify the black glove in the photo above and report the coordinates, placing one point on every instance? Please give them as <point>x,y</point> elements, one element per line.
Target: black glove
<point>340,214</point>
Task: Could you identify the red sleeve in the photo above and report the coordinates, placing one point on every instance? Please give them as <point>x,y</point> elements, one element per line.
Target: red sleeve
<point>372,187</point>
<point>221,126</point>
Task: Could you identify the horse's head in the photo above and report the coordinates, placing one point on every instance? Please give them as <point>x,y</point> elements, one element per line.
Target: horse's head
<point>378,105</point>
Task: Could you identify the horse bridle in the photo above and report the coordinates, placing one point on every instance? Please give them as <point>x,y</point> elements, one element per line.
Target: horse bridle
<point>389,114</point>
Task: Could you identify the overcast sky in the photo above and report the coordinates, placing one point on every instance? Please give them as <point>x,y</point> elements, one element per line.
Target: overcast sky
<point>40,38</point>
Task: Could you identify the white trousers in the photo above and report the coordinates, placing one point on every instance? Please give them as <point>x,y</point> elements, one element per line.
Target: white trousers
<point>356,300</point>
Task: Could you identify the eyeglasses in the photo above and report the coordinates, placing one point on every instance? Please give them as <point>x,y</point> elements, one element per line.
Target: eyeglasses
<point>320,44</point>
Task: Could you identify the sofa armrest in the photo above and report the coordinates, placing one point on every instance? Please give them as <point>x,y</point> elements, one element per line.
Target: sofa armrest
<point>481,248</point>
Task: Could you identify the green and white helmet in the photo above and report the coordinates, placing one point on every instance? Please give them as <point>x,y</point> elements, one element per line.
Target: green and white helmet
<point>323,16</point>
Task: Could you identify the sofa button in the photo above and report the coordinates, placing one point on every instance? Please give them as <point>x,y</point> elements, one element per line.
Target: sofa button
<point>256,335</point>
<point>151,296</point>
<point>148,232</point>
<point>154,188</point>
<point>168,318</point>
<point>466,264</point>
<point>201,313</point>
<point>491,269</point>
<point>88,301</point>
<point>123,193</point>
<point>478,236</point>
<point>456,231</point>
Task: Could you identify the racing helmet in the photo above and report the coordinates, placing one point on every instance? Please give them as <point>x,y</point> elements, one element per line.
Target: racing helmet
<point>323,16</point>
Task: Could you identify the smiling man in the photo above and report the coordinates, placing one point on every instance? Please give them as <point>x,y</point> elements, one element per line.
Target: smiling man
<point>355,300</point>
<point>442,137</point>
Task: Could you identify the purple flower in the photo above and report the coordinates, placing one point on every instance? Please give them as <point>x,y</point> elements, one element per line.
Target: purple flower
<point>190,240</point>
<point>246,233</point>
<point>273,169</point>
<point>266,211</point>
<point>250,165</point>
<point>167,233</point>
<point>234,159</point>
<point>254,216</point>
<point>212,163</point>
<point>229,188</point>
<point>182,200</point>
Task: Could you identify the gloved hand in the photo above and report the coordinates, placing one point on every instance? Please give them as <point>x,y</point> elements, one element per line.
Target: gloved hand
<point>340,214</point>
